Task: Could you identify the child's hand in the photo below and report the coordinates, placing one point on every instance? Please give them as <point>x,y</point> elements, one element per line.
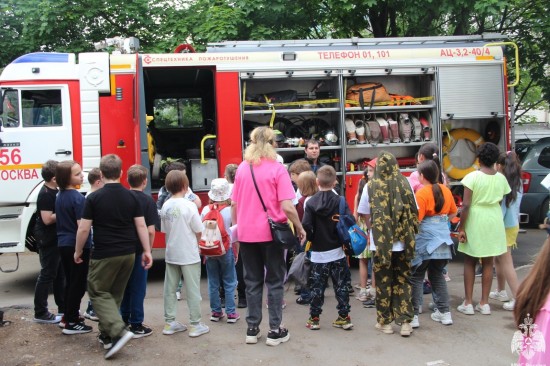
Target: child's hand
<point>462,236</point>
<point>301,233</point>
<point>146,260</point>
<point>77,257</point>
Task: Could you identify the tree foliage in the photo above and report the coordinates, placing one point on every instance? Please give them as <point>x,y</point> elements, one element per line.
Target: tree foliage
<point>73,25</point>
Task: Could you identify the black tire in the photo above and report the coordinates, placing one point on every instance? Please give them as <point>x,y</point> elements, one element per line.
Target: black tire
<point>30,241</point>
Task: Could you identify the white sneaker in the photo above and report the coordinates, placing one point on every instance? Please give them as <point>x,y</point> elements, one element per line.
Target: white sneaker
<point>509,305</point>
<point>406,329</point>
<point>415,323</point>
<point>466,309</point>
<point>499,295</point>
<point>484,309</point>
<point>118,344</point>
<point>363,295</point>
<point>196,330</point>
<point>173,327</point>
<point>178,295</point>
<point>443,318</point>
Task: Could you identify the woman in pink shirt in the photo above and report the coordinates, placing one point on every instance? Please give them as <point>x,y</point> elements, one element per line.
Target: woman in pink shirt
<point>256,243</point>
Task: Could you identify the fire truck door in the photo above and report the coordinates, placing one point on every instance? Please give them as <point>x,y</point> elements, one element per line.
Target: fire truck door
<point>36,126</point>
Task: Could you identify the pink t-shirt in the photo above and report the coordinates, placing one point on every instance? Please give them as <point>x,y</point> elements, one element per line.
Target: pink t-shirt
<point>531,353</point>
<point>415,182</point>
<point>274,185</point>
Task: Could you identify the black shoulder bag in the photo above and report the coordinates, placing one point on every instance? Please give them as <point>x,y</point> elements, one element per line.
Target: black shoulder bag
<point>280,231</point>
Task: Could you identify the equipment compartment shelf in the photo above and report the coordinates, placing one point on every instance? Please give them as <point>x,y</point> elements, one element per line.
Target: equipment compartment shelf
<point>292,111</point>
<point>294,149</point>
<point>390,145</point>
<point>360,172</point>
<point>390,109</point>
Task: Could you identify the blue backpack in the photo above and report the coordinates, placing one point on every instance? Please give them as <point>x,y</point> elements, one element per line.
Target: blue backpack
<point>350,234</point>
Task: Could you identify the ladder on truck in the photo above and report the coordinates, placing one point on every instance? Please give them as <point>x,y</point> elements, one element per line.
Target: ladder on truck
<point>238,46</point>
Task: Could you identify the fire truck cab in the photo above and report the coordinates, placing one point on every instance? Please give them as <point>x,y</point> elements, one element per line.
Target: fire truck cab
<point>199,108</point>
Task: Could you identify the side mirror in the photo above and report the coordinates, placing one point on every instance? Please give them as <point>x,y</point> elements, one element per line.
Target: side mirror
<point>3,91</point>
<point>2,114</point>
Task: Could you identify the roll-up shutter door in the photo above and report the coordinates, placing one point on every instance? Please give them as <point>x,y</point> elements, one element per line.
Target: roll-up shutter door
<point>471,91</point>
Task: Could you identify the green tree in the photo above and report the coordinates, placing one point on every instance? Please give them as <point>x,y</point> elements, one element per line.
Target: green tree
<point>73,26</point>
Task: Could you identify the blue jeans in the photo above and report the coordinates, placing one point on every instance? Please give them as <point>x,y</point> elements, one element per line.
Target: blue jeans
<point>222,267</point>
<point>51,273</point>
<point>131,308</point>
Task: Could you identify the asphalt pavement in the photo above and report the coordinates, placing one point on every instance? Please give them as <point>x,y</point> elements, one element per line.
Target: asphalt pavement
<point>479,339</point>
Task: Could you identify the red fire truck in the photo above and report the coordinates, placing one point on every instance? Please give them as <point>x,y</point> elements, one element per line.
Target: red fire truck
<point>356,96</point>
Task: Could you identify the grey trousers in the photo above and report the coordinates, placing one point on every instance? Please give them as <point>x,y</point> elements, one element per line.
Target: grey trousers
<point>439,285</point>
<point>263,263</point>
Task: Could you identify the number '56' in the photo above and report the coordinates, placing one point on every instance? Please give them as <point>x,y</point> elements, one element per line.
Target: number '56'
<point>6,156</point>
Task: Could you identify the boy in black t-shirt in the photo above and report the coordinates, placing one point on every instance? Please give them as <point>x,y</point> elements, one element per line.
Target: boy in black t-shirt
<point>131,308</point>
<point>119,226</point>
<point>50,261</point>
<point>94,178</point>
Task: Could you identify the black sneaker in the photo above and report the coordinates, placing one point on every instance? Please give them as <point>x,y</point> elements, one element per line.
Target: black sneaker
<point>47,318</point>
<point>76,328</point>
<point>118,343</point>
<point>479,270</point>
<point>140,330</point>
<point>242,303</point>
<point>370,303</point>
<point>63,323</point>
<point>90,314</point>
<point>302,301</point>
<point>252,335</point>
<point>105,340</point>
<point>276,338</point>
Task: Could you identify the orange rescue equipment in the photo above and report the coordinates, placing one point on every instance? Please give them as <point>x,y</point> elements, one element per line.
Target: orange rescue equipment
<point>449,143</point>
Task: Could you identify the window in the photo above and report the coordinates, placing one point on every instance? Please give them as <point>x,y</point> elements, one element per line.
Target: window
<point>178,113</point>
<point>522,149</point>
<point>41,108</point>
<point>544,157</point>
<point>10,111</point>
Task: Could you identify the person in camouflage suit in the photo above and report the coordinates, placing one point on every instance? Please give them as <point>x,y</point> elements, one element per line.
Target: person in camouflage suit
<point>394,217</point>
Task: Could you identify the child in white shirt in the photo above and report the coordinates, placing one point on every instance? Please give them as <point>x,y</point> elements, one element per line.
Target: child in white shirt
<point>181,222</point>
